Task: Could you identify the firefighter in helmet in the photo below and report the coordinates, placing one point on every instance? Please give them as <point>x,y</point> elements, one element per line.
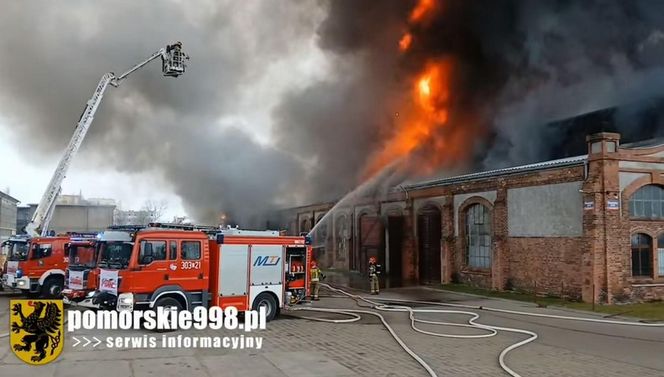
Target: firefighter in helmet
<point>316,277</point>
<point>374,271</point>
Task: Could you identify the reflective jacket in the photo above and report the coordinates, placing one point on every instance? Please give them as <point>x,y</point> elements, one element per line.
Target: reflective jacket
<point>315,274</point>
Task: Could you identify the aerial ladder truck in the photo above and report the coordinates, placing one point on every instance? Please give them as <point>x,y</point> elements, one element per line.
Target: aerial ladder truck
<point>173,65</point>
<point>24,252</point>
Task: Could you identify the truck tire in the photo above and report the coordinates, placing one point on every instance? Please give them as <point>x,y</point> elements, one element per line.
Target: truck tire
<point>266,300</point>
<point>168,302</point>
<point>52,287</point>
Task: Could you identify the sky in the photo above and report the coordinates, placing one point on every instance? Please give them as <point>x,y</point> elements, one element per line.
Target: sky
<point>293,102</point>
<point>27,165</point>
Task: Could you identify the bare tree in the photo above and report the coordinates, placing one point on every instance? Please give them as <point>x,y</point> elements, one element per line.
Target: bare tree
<point>152,211</point>
<point>120,217</point>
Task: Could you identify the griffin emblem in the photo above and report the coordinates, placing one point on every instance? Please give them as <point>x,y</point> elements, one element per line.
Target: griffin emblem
<point>36,338</point>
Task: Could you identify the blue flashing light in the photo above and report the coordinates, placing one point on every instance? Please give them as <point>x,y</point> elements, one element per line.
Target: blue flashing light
<point>308,240</point>
<point>19,273</point>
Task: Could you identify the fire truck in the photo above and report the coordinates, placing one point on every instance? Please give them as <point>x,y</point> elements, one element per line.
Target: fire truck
<point>187,266</point>
<point>37,265</point>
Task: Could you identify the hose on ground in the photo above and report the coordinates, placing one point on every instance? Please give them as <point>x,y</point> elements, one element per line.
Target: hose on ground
<point>351,312</point>
<point>472,322</point>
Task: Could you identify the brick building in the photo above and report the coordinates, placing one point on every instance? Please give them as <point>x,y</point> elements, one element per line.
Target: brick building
<point>589,227</point>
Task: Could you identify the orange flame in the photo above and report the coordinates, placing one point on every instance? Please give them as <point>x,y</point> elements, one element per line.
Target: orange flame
<point>422,136</point>
<point>421,9</point>
<point>405,41</point>
<point>420,125</point>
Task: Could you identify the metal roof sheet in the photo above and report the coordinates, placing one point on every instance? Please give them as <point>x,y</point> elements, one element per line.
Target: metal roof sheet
<point>570,161</point>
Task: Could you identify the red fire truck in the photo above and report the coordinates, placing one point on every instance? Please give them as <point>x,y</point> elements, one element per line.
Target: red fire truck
<point>37,265</point>
<point>187,266</point>
<point>81,273</point>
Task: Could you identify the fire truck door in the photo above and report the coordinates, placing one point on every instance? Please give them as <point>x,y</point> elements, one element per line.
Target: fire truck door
<point>186,267</point>
<point>153,270</point>
<point>42,259</point>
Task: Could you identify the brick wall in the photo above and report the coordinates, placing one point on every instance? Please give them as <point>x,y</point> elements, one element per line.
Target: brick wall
<point>590,260</point>
<point>547,265</point>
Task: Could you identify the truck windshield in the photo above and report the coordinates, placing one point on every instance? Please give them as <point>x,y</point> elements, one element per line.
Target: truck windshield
<point>115,254</point>
<point>18,251</point>
<point>82,256</point>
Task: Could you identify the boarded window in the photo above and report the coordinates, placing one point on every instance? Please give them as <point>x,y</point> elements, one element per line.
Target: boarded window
<point>641,255</point>
<point>478,237</point>
<point>191,250</point>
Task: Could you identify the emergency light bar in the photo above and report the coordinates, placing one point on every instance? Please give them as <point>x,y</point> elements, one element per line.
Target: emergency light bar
<point>129,228</point>
<point>82,235</point>
<point>249,233</point>
<point>190,227</point>
<point>82,239</point>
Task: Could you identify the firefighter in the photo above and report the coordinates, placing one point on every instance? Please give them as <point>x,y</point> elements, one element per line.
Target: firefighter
<point>316,276</point>
<point>374,271</point>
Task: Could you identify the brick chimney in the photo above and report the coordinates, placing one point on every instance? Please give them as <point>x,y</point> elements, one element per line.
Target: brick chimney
<point>602,143</point>
<point>603,262</point>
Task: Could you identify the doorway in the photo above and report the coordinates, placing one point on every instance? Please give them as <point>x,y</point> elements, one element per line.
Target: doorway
<point>395,236</point>
<point>428,235</point>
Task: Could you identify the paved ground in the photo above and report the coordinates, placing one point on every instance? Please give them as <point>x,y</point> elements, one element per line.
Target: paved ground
<point>297,347</point>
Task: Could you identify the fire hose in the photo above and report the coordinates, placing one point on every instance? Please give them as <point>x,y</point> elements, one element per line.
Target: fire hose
<point>471,323</point>
<point>375,303</point>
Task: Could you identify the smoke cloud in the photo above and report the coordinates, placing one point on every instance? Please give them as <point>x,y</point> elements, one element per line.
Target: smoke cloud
<point>284,103</point>
<point>188,129</point>
<point>518,65</point>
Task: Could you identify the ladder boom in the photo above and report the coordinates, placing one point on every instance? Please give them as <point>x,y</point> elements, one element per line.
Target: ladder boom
<point>172,65</point>
<point>39,223</point>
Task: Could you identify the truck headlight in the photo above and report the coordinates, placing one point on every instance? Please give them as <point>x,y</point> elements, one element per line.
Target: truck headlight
<point>125,301</point>
<point>20,283</point>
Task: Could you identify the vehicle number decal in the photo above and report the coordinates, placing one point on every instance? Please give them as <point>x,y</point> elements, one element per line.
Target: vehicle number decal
<point>191,265</point>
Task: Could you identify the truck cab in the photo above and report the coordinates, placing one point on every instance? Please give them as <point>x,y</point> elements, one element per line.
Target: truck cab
<point>36,265</point>
<point>81,273</point>
<point>149,266</point>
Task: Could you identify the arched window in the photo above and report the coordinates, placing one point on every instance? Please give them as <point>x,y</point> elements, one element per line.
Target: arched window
<point>647,203</point>
<point>641,255</point>
<point>478,236</point>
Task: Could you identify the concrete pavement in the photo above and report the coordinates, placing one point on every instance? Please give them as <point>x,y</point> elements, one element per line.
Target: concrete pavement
<point>297,347</point>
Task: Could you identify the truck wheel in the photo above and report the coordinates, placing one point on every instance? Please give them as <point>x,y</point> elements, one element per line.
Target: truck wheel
<point>267,301</point>
<point>168,302</point>
<point>52,287</point>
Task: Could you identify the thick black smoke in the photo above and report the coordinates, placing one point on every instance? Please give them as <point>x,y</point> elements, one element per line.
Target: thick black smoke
<point>184,129</point>
<point>518,65</point>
